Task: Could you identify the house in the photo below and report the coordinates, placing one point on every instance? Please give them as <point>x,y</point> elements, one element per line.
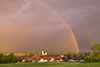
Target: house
<point>58,59</point>
<point>30,59</point>
<point>23,60</point>
<point>36,59</point>
<point>81,60</point>
<point>62,55</point>
<point>51,60</point>
<point>71,60</point>
<point>41,60</point>
<point>45,59</point>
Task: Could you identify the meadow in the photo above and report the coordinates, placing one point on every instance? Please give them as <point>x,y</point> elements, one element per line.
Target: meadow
<point>65,64</point>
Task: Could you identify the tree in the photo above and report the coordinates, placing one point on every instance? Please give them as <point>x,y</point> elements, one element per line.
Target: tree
<point>1,55</point>
<point>69,57</point>
<point>95,56</point>
<point>31,54</point>
<point>96,48</point>
<point>10,56</point>
<point>4,59</point>
<point>20,58</point>
<point>63,58</point>
<point>14,59</point>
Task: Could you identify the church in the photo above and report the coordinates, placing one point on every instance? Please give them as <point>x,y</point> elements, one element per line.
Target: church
<point>44,53</point>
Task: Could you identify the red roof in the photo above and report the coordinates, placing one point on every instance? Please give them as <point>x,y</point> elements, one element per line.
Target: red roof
<point>47,58</point>
<point>57,58</point>
<point>30,59</point>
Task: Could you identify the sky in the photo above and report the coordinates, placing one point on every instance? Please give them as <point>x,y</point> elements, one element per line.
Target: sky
<point>57,26</point>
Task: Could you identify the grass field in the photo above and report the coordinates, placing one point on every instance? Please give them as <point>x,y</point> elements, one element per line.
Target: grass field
<point>51,65</point>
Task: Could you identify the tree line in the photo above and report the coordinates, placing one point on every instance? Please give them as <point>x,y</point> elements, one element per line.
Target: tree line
<point>11,58</point>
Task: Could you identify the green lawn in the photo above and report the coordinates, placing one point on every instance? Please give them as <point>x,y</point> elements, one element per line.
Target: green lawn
<point>51,65</point>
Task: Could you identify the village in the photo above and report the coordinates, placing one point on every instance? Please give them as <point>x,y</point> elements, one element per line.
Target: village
<point>45,58</point>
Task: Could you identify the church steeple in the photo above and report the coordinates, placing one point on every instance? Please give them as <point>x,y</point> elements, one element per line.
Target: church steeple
<point>43,52</point>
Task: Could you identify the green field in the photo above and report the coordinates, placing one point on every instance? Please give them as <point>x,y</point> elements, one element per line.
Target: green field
<point>51,65</point>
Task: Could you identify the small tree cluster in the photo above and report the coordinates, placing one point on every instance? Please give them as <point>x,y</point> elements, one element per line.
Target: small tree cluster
<point>11,58</point>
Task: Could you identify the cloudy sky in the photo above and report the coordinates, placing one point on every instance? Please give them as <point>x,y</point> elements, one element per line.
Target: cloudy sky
<point>33,25</point>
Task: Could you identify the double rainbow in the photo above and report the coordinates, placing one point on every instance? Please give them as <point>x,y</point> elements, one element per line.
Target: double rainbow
<point>75,41</point>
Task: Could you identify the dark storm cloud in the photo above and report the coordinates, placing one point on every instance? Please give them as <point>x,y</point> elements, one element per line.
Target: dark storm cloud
<point>30,26</point>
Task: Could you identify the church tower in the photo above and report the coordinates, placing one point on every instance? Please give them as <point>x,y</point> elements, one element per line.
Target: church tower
<point>43,53</point>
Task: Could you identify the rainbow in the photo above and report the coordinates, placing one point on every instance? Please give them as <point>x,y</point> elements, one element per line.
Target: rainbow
<point>89,35</point>
<point>83,24</point>
<point>77,48</point>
